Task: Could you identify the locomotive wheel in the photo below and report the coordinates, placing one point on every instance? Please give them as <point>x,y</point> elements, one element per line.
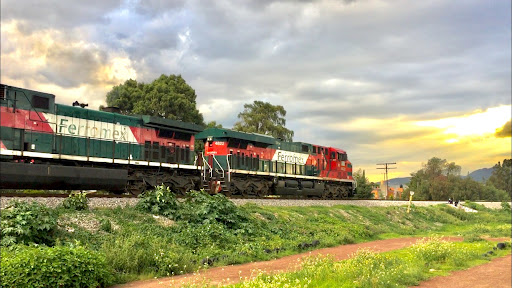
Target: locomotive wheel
<point>136,188</point>
<point>247,191</point>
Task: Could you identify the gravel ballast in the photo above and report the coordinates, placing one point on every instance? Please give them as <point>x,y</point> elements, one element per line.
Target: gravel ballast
<point>122,202</point>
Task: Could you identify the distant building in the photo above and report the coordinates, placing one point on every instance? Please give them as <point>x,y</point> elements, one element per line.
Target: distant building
<point>394,192</point>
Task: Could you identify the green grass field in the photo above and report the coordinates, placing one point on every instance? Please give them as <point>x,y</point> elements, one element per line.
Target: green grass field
<point>211,231</point>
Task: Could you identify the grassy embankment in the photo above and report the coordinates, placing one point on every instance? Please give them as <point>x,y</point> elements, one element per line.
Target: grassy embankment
<point>176,238</point>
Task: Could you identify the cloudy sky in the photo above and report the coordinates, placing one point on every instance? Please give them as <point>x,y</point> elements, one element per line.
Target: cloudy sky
<point>388,81</point>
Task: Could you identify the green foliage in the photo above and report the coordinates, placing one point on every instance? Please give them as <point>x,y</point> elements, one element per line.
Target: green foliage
<point>501,177</point>
<point>76,201</point>
<point>167,97</point>
<point>440,180</point>
<point>146,254</point>
<point>475,206</point>
<point>59,266</point>
<point>264,118</point>
<point>160,201</point>
<point>364,188</point>
<point>106,225</point>
<point>24,223</point>
<point>505,206</point>
<point>201,208</point>
<point>432,250</point>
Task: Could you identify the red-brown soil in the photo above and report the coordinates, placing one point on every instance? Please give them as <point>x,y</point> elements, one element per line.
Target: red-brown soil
<point>235,273</point>
<point>495,274</point>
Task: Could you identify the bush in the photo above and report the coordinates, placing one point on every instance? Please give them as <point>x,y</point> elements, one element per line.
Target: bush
<point>24,223</point>
<point>432,250</point>
<point>505,206</point>
<point>76,201</point>
<point>58,266</point>
<point>201,208</point>
<point>159,201</point>
<point>106,225</point>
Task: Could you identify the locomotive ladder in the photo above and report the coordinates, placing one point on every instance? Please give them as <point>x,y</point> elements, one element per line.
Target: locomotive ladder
<point>215,178</point>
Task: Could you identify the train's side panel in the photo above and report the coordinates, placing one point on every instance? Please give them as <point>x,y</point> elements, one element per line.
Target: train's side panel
<point>35,130</point>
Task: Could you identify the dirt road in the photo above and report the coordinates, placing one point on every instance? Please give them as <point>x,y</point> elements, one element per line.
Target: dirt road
<point>235,273</point>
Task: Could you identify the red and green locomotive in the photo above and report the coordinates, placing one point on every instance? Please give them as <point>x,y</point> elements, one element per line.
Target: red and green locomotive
<point>248,163</point>
<point>44,145</point>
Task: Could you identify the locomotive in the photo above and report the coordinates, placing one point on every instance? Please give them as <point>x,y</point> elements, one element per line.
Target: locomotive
<point>45,145</point>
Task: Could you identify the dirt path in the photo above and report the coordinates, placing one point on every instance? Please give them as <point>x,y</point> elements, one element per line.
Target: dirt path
<point>235,273</point>
<point>495,274</point>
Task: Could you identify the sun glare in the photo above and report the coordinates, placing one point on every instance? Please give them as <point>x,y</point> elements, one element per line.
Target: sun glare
<point>476,124</point>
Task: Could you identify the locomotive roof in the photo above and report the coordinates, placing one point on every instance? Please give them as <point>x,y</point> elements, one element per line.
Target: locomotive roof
<point>157,121</point>
<point>226,133</point>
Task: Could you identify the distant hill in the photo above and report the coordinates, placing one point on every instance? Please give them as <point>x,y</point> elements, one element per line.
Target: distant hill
<point>398,181</point>
<point>481,175</point>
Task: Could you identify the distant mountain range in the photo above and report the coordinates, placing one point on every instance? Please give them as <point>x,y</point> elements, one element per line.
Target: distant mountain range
<point>480,175</point>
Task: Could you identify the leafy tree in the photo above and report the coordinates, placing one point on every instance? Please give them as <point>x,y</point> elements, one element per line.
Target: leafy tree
<point>167,97</point>
<point>364,187</point>
<point>213,124</point>
<point>501,177</point>
<point>125,96</point>
<point>435,180</point>
<point>264,118</point>
<point>440,180</point>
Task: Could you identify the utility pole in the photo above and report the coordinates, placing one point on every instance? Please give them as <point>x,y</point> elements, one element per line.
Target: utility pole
<point>386,177</point>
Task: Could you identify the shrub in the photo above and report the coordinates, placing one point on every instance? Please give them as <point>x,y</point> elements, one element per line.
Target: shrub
<point>76,201</point>
<point>432,250</point>
<point>57,266</point>
<point>505,206</point>
<point>159,201</point>
<point>24,223</point>
<point>201,208</point>
<point>105,225</point>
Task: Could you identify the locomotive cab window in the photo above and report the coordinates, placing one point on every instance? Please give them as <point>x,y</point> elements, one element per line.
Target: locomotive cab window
<point>305,148</point>
<point>40,102</point>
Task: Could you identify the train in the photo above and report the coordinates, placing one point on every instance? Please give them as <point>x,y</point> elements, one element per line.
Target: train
<point>46,145</point>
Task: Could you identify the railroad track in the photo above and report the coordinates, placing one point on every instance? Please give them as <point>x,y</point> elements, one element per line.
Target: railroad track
<point>102,200</point>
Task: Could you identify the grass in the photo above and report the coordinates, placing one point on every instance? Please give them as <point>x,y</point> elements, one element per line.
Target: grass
<point>140,245</point>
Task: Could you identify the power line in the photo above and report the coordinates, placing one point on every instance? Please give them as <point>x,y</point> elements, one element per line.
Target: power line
<point>386,174</point>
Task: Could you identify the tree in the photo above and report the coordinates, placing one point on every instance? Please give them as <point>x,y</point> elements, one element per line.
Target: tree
<point>501,177</point>
<point>167,97</point>
<point>125,96</point>
<point>364,187</point>
<point>264,118</point>
<point>440,180</point>
<point>435,180</point>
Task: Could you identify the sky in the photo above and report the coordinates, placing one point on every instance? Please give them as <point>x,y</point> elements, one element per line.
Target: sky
<point>387,81</point>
